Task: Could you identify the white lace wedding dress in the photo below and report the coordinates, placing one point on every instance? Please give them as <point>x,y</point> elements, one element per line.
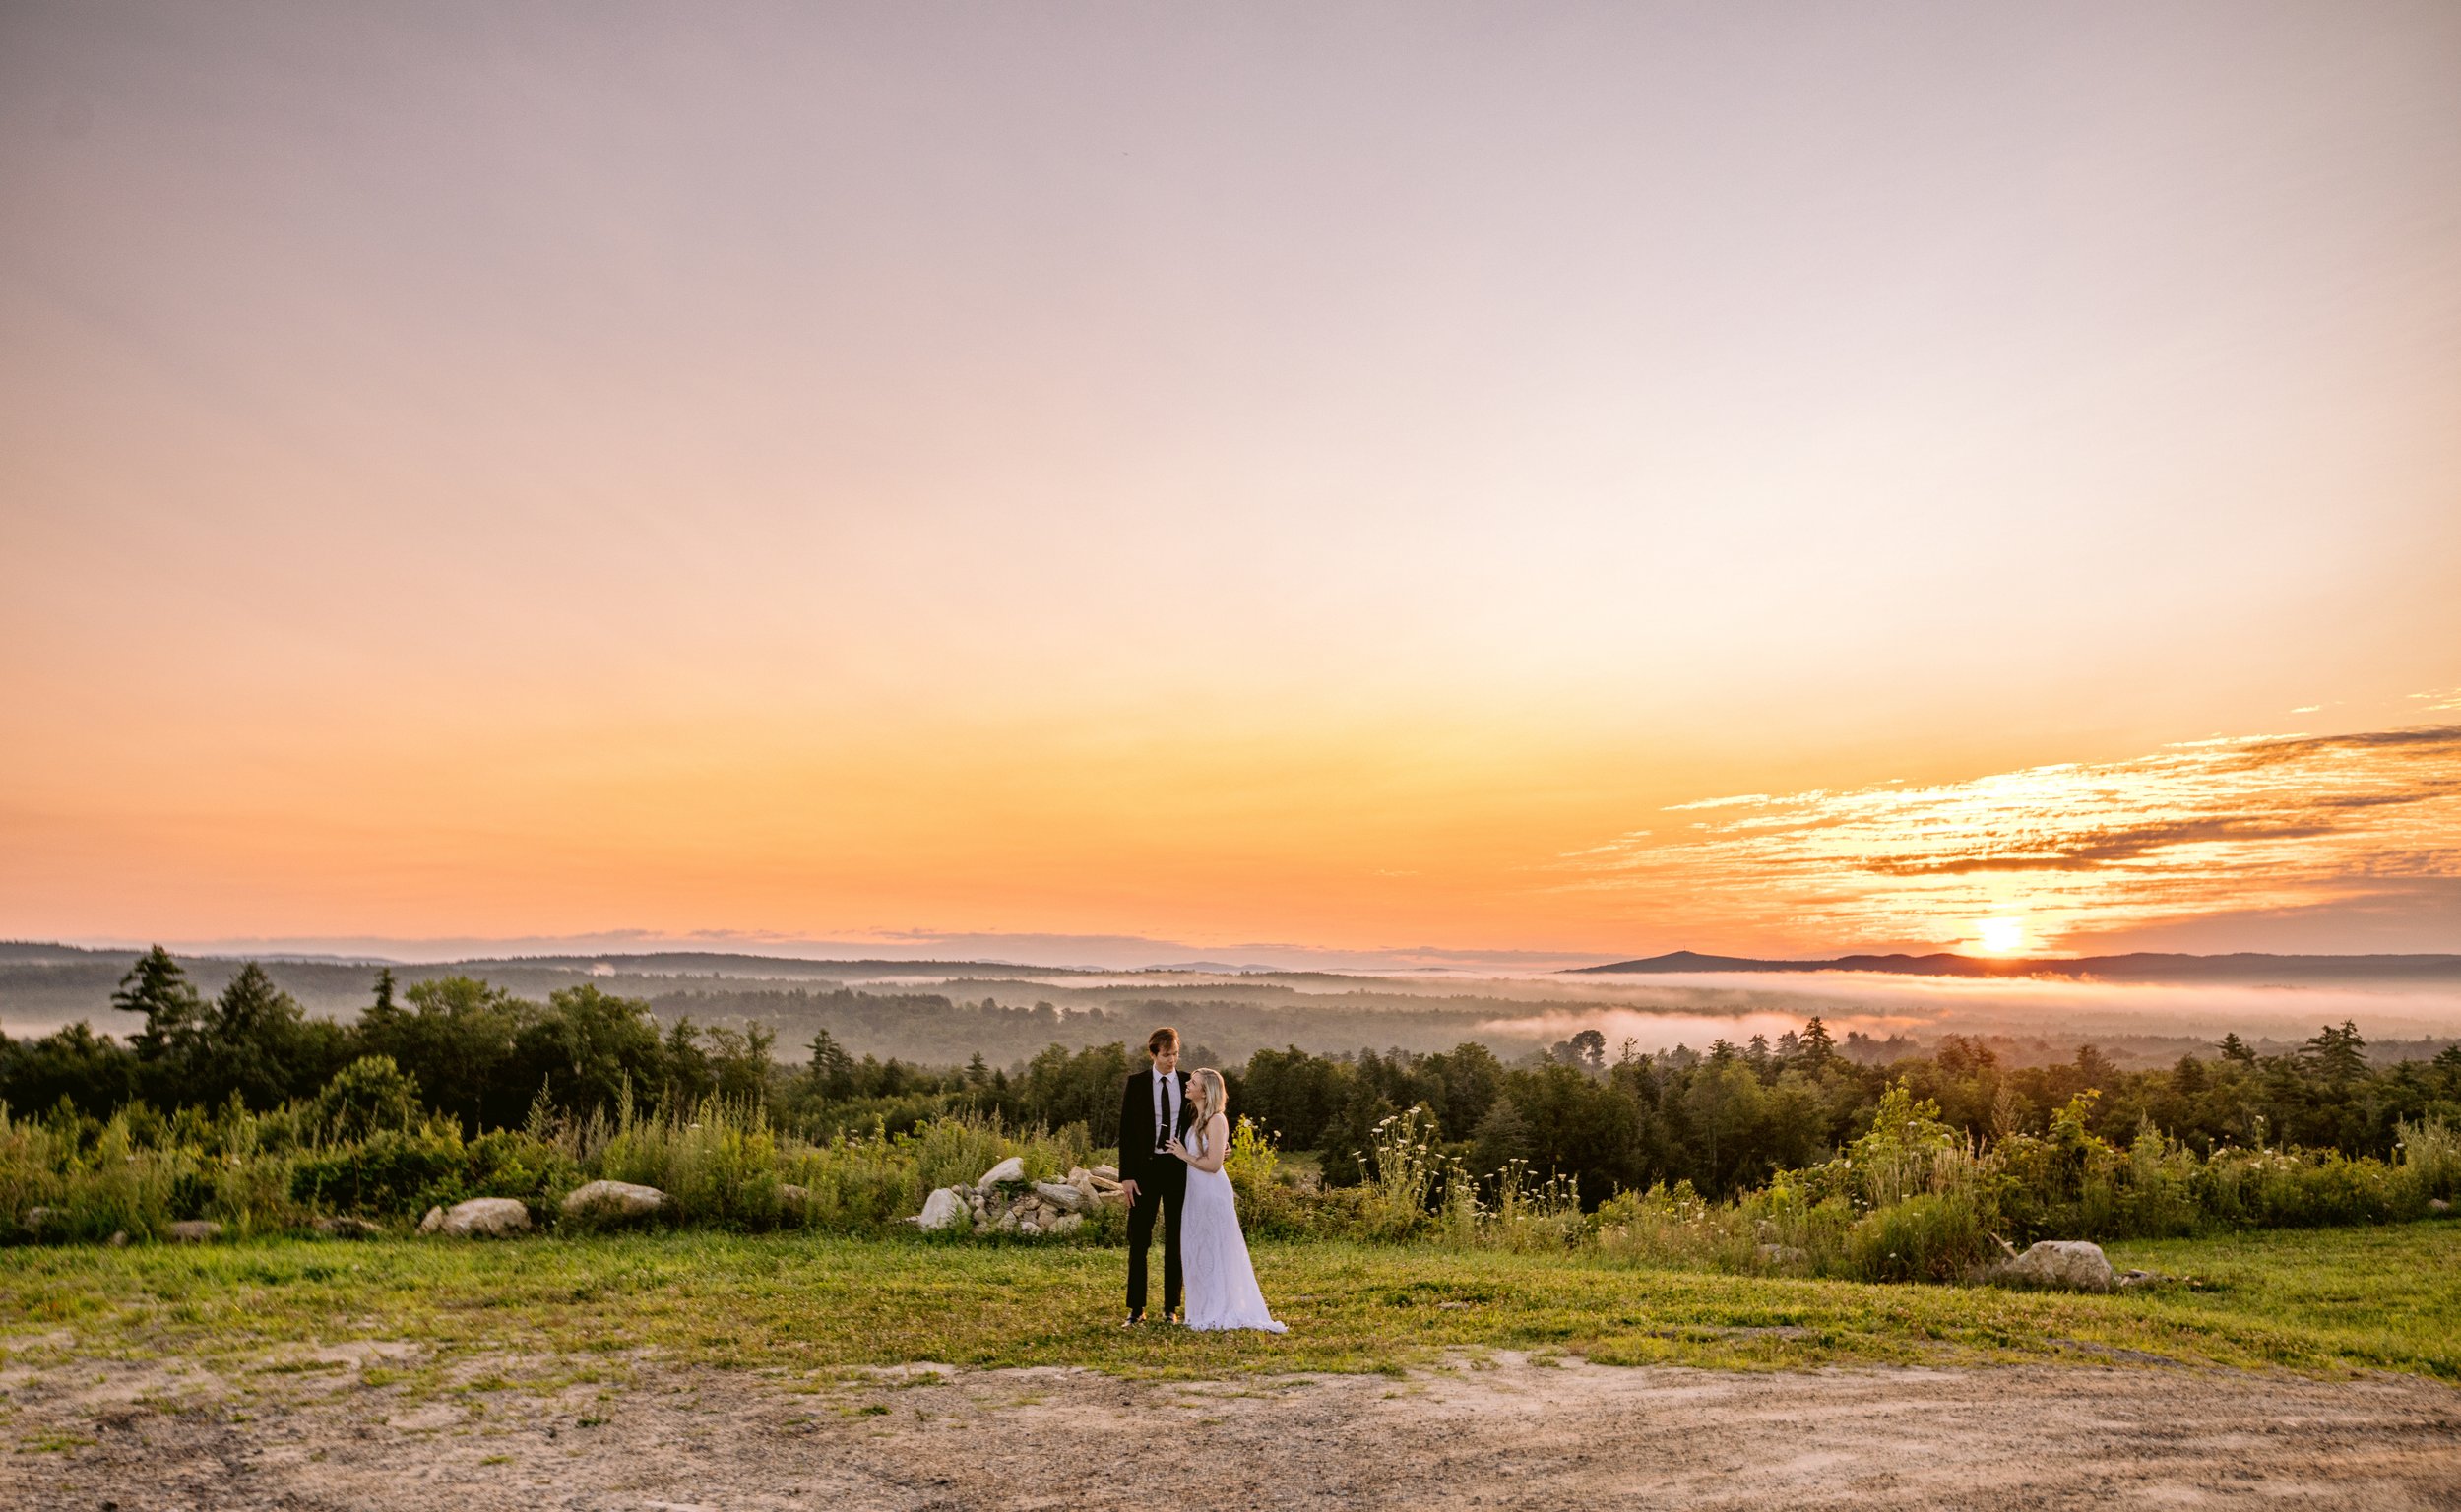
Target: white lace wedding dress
<point>1222,1291</point>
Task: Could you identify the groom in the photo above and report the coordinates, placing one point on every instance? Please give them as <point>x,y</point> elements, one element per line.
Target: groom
<point>1152,1111</point>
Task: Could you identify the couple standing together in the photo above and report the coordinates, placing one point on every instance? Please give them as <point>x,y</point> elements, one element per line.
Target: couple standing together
<point>1174,1128</point>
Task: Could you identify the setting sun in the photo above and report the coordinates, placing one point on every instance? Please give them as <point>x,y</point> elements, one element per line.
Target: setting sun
<point>2002,936</point>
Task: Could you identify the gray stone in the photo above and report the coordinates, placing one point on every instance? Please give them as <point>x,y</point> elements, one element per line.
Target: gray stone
<point>1067,1222</point>
<point>486,1218</point>
<point>1011,1170</point>
<point>942,1209</point>
<point>35,1217</point>
<point>1784,1254</point>
<point>2438,1205</point>
<point>432,1222</point>
<point>793,1198</point>
<point>349,1229</point>
<point>1065,1198</point>
<point>193,1230</point>
<point>614,1200</point>
<point>2069,1265</point>
<point>1108,1174</point>
<point>119,1239</point>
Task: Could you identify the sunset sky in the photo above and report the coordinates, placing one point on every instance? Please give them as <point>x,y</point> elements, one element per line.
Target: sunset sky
<point>1359,484</point>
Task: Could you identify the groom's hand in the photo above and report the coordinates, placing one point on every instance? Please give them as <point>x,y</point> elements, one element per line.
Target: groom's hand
<point>1129,1189</point>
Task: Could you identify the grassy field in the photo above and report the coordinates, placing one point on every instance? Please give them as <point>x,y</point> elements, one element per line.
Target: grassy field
<point>2326,1301</point>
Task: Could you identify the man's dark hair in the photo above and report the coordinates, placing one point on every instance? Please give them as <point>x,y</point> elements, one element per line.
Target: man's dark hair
<point>1161,1038</point>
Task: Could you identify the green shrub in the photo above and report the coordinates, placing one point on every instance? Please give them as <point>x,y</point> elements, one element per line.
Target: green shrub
<point>2430,1153</point>
<point>1925,1237</point>
<point>1676,1229</point>
<point>391,1171</point>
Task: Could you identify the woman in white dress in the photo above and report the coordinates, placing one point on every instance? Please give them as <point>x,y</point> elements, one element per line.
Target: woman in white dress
<point>1221,1283</point>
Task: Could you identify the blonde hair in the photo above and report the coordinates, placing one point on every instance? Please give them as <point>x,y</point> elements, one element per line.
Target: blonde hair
<point>1211,1096</point>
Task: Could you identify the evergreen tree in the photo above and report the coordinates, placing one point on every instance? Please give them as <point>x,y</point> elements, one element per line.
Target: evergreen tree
<point>2337,1055</point>
<point>175,1014</point>
<point>2235,1049</point>
<point>1502,1135</point>
<point>256,1045</point>
<point>832,1069</point>
<point>1816,1046</point>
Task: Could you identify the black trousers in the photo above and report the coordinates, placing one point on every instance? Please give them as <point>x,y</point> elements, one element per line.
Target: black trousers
<point>1159,1194</point>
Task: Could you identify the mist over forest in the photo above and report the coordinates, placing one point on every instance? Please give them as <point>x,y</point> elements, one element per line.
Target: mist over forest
<point>943,1013</point>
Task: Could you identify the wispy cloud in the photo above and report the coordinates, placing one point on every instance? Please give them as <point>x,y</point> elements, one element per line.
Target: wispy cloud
<point>2260,822</point>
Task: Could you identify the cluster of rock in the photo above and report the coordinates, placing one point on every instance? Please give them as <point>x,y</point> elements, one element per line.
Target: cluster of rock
<point>1774,1253</point>
<point>491,1217</point>
<point>480,1218</point>
<point>613,1201</point>
<point>1003,1201</point>
<point>2065,1265</point>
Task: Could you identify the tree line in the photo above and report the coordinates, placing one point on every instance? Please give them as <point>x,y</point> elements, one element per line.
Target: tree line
<point>475,1053</point>
<point>1725,1119</point>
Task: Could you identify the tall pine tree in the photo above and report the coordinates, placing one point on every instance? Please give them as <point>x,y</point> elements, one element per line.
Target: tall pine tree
<point>175,1014</point>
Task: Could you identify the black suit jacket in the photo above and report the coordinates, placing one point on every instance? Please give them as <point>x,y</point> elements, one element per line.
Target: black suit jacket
<point>1137,1161</point>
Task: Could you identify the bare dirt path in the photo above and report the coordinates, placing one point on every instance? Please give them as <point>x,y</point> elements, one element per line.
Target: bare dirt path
<point>1512,1433</point>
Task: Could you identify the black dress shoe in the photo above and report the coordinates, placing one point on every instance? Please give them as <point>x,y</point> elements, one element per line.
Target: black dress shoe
<point>1135,1319</point>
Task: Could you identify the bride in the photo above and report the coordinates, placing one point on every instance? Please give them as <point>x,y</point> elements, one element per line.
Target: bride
<point>1222,1284</point>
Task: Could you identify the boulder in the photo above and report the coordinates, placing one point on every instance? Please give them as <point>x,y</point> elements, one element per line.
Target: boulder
<point>614,1200</point>
<point>793,1198</point>
<point>193,1230</point>
<point>119,1239</point>
<point>2069,1265</point>
<point>2438,1205</point>
<point>1011,1170</point>
<point>1067,1222</point>
<point>942,1209</point>
<point>484,1217</point>
<point>348,1228</point>
<point>1067,1199</point>
<point>432,1222</point>
<point>1108,1174</point>
<point>1784,1254</point>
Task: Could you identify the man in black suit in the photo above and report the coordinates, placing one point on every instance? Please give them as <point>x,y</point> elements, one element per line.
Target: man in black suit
<point>1152,1111</point>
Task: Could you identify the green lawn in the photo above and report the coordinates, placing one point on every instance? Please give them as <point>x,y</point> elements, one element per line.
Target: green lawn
<point>2320,1300</point>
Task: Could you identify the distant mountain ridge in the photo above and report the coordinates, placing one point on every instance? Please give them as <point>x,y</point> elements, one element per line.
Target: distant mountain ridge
<point>652,963</point>
<point>2138,966</point>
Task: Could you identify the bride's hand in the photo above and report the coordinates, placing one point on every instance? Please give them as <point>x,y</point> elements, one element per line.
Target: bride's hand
<point>1177,1149</point>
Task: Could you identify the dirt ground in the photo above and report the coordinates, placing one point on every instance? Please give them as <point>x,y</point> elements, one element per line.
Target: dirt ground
<point>318,1432</point>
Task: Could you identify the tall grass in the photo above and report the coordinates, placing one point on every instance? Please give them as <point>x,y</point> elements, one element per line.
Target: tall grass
<point>720,1164</point>
<point>1910,1200</point>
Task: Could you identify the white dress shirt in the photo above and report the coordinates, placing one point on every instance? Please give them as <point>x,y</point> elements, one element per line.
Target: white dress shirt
<point>1165,1110</point>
